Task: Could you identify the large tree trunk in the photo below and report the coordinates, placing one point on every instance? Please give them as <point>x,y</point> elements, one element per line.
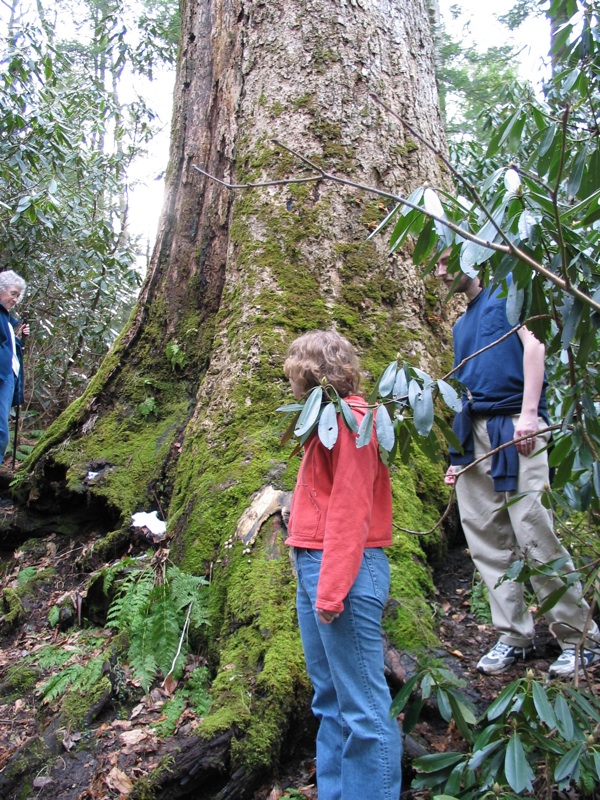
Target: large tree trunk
<point>233,278</point>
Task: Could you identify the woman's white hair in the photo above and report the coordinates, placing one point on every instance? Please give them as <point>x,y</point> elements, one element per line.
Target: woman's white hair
<point>9,278</point>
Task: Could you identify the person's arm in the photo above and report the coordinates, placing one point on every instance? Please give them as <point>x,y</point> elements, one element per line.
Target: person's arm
<point>348,521</point>
<point>533,375</point>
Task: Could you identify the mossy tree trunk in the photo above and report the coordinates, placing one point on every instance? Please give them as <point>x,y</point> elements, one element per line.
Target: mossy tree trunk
<point>234,277</point>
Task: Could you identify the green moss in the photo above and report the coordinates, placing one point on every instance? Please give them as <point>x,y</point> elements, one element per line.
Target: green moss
<point>13,606</point>
<point>33,584</point>
<point>20,679</point>
<point>32,756</point>
<point>304,101</point>
<point>277,108</point>
<point>322,57</point>
<point>262,664</point>
<point>405,149</point>
<point>78,706</point>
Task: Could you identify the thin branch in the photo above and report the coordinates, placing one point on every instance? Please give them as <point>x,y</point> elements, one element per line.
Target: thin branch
<point>181,638</point>
<point>554,195</point>
<point>256,185</point>
<point>437,524</point>
<point>514,330</point>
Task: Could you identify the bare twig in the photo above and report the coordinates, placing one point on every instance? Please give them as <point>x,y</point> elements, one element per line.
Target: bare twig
<point>181,638</point>
<point>284,182</point>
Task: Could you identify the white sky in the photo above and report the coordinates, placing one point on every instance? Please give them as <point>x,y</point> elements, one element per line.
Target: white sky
<point>478,23</point>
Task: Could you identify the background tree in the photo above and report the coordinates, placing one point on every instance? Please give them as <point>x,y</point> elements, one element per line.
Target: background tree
<point>66,147</point>
<point>181,415</point>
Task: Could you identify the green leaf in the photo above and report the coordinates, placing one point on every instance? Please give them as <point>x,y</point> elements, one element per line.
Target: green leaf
<point>310,412</point>
<point>503,701</point>
<point>564,718</point>
<point>412,714</point>
<point>542,705</point>
<point>427,238</point>
<point>328,426</point>
<point>450,396</point>
<point>462,714</point>
<point>577,172</point>
<point>561,447</point>
<point>289,431</point>
<point>444,705</point>
<point>421,401</point>
<point>514,304</point>
<point>290,408</point>
<point>561,38</point>
<point>364,429</point>
<point>551,600</point>
<point>437,761</point>
<point>518,773</point>
<point>400,385</point>
<point>386,382</point>
<point>571,313</point>
<point>384,223</point>
<point>479,756</point>
<point>591,178</point>
<point>547,139</point>
<point>402,697</point>
<point>567,764</point>
<point>348,415</point>
<point>385,429</point>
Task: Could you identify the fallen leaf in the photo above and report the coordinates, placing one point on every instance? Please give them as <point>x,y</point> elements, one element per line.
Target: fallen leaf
<point>41,782</point>
<point>118,781</point>
<point>133,737</point>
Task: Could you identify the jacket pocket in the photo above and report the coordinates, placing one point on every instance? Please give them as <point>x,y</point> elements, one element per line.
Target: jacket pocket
<point>305,516</point>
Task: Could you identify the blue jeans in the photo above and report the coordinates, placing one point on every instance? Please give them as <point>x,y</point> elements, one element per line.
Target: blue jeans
<point>359,749</point>
<point>7,391</point>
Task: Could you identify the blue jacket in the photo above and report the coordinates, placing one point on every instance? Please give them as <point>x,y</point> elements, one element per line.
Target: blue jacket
<point>6,353</point>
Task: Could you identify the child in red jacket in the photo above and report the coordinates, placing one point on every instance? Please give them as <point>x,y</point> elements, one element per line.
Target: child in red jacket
<point>340,520</point>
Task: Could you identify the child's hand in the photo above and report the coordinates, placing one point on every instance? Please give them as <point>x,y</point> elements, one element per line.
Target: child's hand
<point>326,617</point>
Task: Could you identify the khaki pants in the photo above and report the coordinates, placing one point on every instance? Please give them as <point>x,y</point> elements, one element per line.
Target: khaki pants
<point>498,536</point>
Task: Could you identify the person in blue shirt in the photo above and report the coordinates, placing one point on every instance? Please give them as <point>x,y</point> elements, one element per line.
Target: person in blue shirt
<point>12,289</point>
<point>504,402</point>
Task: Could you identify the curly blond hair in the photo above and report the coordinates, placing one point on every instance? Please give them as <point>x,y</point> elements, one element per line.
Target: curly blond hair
<point>323,354</point>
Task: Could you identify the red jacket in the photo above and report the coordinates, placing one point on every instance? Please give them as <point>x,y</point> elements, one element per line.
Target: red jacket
<point>342,503</point>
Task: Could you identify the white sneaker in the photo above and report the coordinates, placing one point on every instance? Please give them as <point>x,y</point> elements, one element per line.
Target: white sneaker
<point>501,657</point>
<point>565,663</point>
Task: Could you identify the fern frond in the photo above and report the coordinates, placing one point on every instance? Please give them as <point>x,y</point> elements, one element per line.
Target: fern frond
<point>50,657</point>
<point>59,683</point>
<point>166,627</point>
<point>129,607</point>
<point>142,656</point>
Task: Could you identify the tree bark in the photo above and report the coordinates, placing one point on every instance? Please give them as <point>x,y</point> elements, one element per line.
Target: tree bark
<point>233,278</point>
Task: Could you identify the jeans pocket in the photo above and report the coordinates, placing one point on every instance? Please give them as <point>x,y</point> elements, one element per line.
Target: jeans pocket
<point>379,569</point>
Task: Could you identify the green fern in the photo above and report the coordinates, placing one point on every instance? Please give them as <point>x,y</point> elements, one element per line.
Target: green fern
<point>194,692</point>
<point>59,683</point>
<point>132,601</point>
<point>171,711</point>
<point>50,657</point>
<point>76,676</point>
<point>153,609</point>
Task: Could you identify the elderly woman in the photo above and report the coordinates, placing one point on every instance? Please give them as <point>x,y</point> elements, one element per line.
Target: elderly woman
<point>12,289</point>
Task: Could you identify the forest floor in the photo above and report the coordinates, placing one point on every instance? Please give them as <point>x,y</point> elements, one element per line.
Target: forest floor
<point>122,741</point>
